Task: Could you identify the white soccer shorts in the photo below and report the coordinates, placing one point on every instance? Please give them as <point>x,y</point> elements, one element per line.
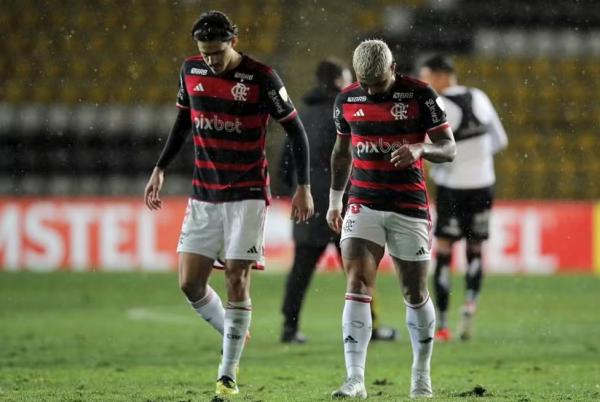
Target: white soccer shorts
<point>407,238</point>
<point>225,230</point>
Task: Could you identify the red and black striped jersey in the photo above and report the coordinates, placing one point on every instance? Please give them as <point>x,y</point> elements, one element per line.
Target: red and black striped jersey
<point>230,113</point>
<point>380,124</point>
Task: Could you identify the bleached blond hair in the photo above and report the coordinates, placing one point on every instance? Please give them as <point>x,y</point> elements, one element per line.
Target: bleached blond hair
<point>371,59</point>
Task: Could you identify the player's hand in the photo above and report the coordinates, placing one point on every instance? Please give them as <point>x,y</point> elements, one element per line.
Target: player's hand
<point>335,220</point>
<point>152,191</point>
<point>407,154</point>
<point>302,204</point>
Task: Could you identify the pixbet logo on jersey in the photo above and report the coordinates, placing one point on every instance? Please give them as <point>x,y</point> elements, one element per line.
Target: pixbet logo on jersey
<point>377,147</point>
<point>214,123</point>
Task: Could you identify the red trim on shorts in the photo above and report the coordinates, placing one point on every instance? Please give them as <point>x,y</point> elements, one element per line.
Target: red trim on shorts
<point>256,266</point>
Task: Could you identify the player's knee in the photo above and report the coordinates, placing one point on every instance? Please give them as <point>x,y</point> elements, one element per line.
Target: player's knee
<point>359,283</point>
<point>415,295</point>
<point>237,288</point>
<point>236,282</point>
<point>237,278</point>
<point>192,290</point>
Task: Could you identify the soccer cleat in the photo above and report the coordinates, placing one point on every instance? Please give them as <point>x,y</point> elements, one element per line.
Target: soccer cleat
<point>353,387</point>
<point>465,328</point>
<point>384,333</point>
<point>443,335</point>
<point>420,384</point>
<point>226,386</point>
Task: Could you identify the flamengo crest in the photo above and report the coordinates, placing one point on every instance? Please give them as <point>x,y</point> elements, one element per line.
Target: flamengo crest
<point>240,92</point>
<point>399,111</point>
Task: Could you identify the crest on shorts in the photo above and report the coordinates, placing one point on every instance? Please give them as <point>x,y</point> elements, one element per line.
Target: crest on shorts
<point>354,208</point>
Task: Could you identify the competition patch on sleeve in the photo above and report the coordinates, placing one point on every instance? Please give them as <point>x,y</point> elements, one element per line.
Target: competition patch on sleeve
<point>284,95</point>
<point>435,114</point>
<point>440,103</point>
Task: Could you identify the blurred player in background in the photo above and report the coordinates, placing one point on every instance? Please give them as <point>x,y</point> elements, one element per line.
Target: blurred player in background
<point>226,98</point>
<point>465,187</point>
<point>382,123</point>
<point>312,238</point>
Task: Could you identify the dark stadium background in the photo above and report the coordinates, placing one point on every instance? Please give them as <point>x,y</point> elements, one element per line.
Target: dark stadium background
<point>87,98</point>
<point>88,87</point>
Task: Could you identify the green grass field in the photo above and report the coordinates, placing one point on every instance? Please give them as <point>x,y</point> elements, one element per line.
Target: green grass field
<point>132,337</point>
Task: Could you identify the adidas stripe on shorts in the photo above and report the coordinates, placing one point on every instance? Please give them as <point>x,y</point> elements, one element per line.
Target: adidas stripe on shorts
<point>225,230</point>
<point>407,238</point>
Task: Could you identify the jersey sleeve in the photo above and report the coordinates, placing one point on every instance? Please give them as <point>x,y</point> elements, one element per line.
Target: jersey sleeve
<point>496,130</point>
<point>276,100</point>
<point>341,125</point>
<point>183,100</point>
<point>432,110</point>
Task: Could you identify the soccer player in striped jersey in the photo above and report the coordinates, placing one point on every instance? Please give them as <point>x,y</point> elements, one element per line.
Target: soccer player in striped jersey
<point>465,187</point>
<point>382,122</point>
<point>312,237</point>
<point>226,99</point>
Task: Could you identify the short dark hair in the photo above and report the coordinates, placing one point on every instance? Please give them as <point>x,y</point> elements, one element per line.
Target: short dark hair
<point>439,63</point>
<point>329,70</point>
<point>214,25</point>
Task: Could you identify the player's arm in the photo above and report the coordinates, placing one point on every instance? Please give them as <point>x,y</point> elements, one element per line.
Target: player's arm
<point>441,149</point>
<point>341,163</point>
<point>302,202</point>
<point>179,132</point>
<point>341,166</point>
<point>287,169</point>
<point>280,106</point>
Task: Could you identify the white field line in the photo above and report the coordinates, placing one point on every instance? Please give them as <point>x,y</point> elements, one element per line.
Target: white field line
<point>146,314</point>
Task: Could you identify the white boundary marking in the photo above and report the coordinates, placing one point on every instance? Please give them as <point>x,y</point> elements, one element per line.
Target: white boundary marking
<point>146,314</point>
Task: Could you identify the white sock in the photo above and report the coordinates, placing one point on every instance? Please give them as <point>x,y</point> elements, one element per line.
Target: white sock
<point>420,320</point>
<point>237,322</point>
<point>211,309</point>
<point>356,331</point>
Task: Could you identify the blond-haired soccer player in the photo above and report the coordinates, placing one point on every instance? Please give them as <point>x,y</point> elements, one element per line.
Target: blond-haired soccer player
<point>382,122</point>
